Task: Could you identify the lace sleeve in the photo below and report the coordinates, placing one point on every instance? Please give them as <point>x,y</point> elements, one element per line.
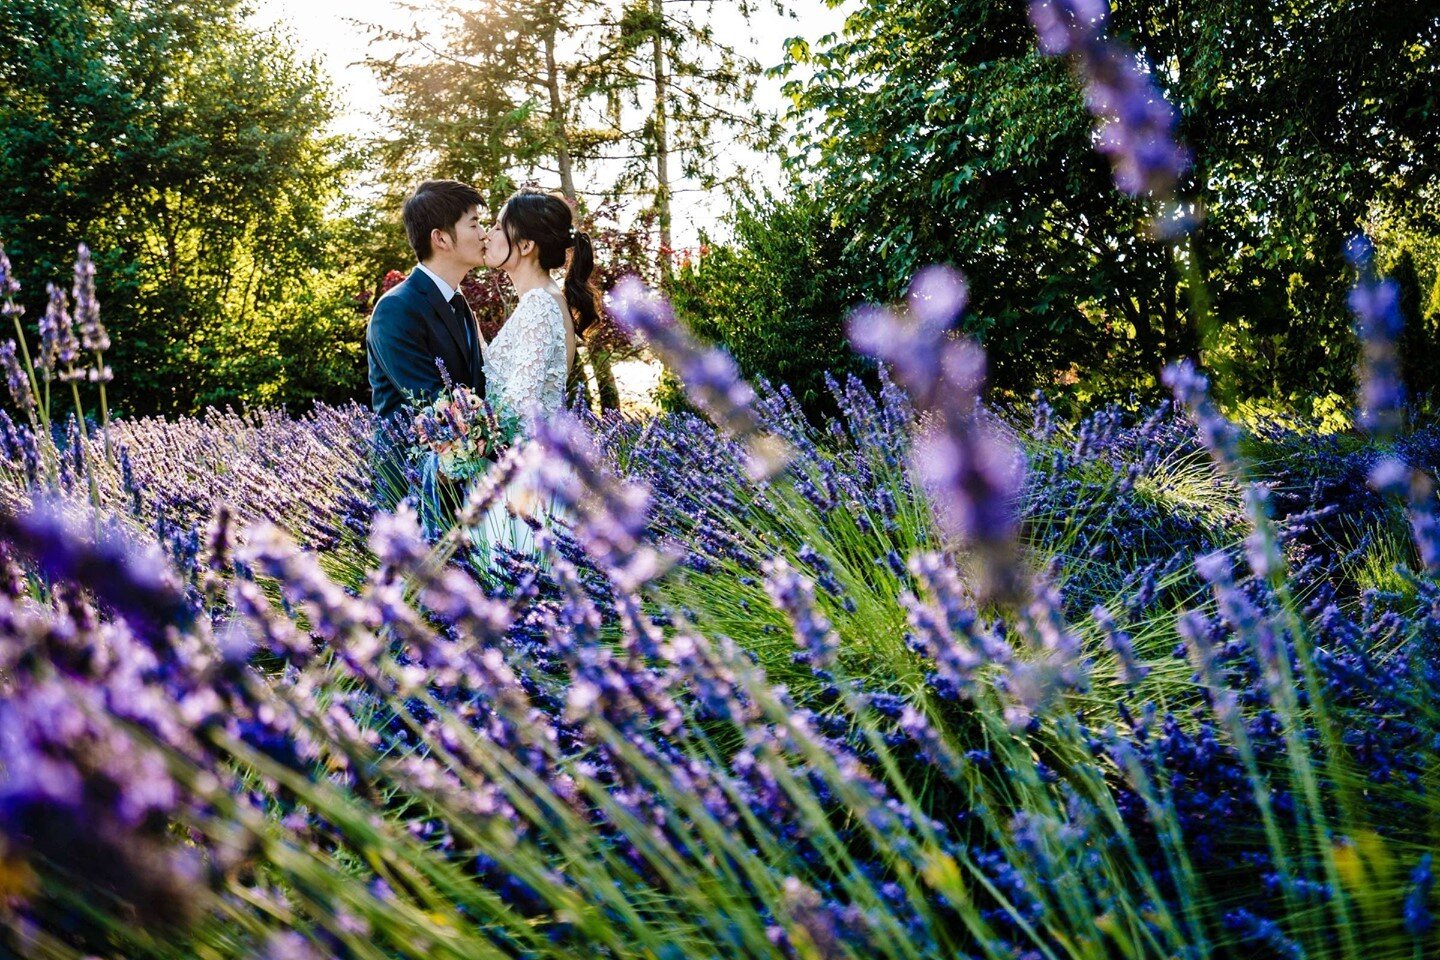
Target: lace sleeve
<point>535,365</point>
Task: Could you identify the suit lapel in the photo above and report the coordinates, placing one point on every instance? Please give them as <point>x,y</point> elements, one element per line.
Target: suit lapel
<point>447,319</point>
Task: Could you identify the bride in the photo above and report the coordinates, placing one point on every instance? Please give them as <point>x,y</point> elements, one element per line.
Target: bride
<point>528,362</point>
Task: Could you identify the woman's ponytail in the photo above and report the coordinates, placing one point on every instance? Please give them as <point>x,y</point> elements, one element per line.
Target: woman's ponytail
<point>580,293</point>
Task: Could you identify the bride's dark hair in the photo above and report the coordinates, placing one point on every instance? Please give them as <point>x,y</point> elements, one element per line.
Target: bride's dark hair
<point>548,221</point>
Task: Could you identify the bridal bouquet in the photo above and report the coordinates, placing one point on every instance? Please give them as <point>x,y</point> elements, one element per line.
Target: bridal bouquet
<point>464,432</point>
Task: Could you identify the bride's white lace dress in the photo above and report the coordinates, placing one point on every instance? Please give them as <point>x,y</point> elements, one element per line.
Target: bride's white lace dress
<point>525,371</point>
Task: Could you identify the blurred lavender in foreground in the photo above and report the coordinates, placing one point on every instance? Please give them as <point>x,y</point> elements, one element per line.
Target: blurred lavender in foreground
<point>1221,438</point>
<point>1375,301</point>
<point>972,472</point>
<point>1137,125</point>
<point>137,586</point>
<point>611,514</point>
<point>1418,918</point>
<point>1192,391</point>
<point>711,378</point>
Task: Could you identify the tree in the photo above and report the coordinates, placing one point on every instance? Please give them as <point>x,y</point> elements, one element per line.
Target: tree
<point>491,100</point>
<point>939,134</point>
<point>613,98</point>
<point>189,151</point>
<point>691,88</point>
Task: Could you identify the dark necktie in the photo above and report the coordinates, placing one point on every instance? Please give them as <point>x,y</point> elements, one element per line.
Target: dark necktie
<point>462,310</point>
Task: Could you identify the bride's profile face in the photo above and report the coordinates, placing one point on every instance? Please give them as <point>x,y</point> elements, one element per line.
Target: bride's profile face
<point>500,253</point>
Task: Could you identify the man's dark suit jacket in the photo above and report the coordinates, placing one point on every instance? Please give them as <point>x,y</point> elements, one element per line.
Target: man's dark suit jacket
<point>411,327</point>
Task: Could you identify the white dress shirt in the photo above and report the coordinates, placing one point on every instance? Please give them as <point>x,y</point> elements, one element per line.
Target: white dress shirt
<point>446,291</point>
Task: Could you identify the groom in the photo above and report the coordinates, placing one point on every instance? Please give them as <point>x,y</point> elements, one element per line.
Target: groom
<point>424,318</point>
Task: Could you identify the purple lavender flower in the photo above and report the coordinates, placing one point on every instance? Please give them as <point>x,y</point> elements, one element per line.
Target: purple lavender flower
<point>612,515</point>
<point>1263,932</point>
<point>445,378</point>
<point>795,595</point>
<point>332,612</point>
<point>937,295</point>
<point>973,474</point>
<point>822,926</point>
<point>1053,664</point>
<point>1378,323</point>
<point>711,378</point>
<point>134,585</point>
<point>87,309</point>
<point>1132,671</point>
<point>1137,125</point>
<point>1418,919</point>
<point>9,286</point>
<point>58,347</point>
<point>929,742</point>
<point>289,945</point>
<point>947,631</point>
<point>266,628</point>
<point>15,377</point>
<point>1192,391</point>
<point>82,797</point>
<point>1194,630</point>
<point>1247,620</point>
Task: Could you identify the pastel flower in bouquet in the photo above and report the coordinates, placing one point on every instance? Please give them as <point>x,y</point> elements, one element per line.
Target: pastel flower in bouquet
<point>464,432</point>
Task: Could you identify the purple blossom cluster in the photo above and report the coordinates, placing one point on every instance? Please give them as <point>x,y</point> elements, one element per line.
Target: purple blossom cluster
<point>1378,322</point>
<point>962,458</point>
<point>711,378</point>
<point>1137,125</point>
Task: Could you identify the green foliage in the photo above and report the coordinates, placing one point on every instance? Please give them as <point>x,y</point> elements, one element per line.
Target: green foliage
<point>190,152</point>
<point>472,110</point>
<point>776,295</point>
<point>940,135</point>
<point>1420,340</point>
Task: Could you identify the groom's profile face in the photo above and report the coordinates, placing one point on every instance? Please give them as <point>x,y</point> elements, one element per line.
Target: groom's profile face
<point>467,245</point>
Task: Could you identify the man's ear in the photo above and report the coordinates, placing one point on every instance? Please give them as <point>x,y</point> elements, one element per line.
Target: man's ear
<point>439,239</point>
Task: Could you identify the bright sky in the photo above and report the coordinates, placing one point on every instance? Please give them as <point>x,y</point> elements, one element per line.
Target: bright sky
<point>334,30</point>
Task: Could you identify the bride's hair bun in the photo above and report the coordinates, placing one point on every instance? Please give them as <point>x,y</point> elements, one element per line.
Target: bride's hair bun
<point>548,221</point>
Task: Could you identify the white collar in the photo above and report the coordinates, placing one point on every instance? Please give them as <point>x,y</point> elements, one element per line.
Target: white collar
<point>446,291</point>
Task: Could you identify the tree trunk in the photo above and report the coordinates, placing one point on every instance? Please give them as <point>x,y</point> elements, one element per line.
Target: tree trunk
<point>1145,336</point>
<point>578,384</point>
<point>557,117</point>
<point>662,140</point>
<point>605,384</point>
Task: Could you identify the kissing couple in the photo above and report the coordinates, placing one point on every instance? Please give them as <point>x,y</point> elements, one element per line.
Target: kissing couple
<point>424,322</point>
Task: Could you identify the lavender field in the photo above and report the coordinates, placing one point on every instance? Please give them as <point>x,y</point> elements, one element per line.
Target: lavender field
<point>931,677</point>
<point>926,679</point>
